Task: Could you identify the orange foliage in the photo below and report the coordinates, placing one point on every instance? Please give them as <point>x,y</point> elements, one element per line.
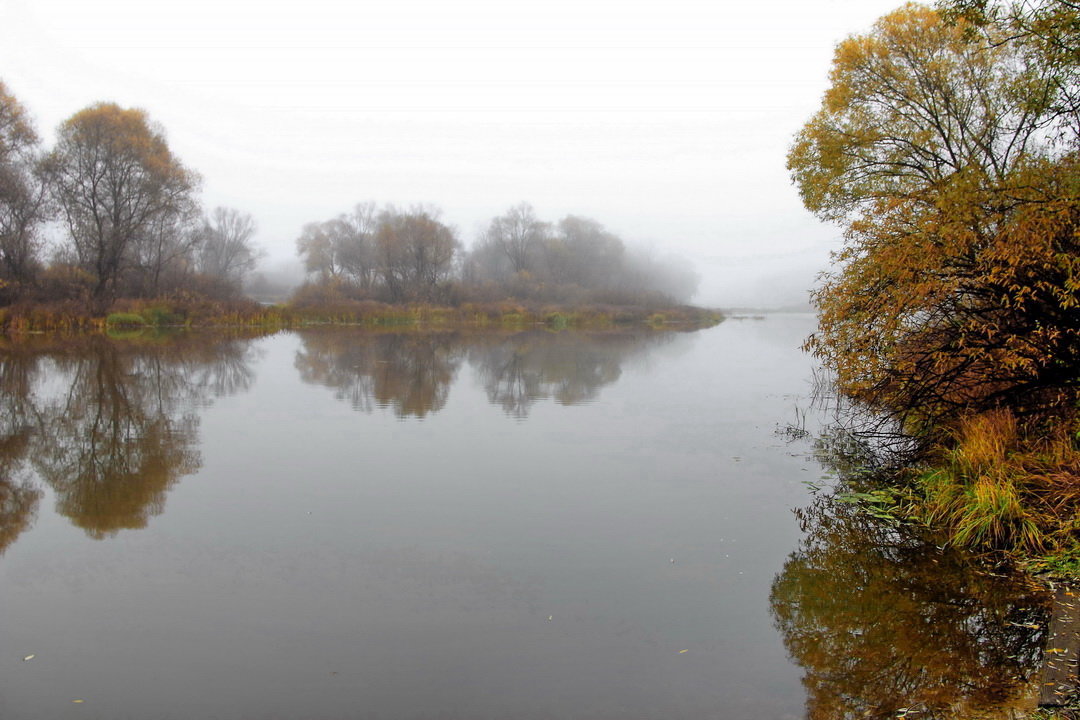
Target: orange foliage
<point>957,288</point>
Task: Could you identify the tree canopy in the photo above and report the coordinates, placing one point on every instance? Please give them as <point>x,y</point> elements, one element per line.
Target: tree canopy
<point>134,225</point>
<point>114,177</point>
<point>22,192</point>
<point>940,151</point>
<point>398,255</point>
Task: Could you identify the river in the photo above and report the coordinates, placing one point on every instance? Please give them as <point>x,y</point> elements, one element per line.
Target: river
<point>336,523</point>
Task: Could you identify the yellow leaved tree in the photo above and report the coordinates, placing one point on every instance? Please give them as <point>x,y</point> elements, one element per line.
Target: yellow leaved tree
<point>957,287</point>
<point>945,151</point>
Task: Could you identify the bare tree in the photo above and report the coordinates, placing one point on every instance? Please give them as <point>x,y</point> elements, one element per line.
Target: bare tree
<point>518,234</point>
<point>225,249</point>
<point>22,192</point>
<point>356,247</point>
<point>168,251</point>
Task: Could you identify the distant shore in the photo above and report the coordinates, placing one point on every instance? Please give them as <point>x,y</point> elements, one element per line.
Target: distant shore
<point>186,310</point>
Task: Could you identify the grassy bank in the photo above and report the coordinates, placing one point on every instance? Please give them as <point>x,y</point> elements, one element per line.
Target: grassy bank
<point>1002,486</point>
<point>993,485</point>
<point>194,311</point>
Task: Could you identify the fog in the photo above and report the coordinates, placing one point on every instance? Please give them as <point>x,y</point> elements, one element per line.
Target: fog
<point>667,122</point>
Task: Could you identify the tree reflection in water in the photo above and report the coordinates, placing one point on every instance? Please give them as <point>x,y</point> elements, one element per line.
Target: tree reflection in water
<point>111,425</point>
<point>412,372</point>
<point>114,426</point>
<point>18,496</point>
<point>886,625</point>
<point>409,372</point>
<point>520,369</point>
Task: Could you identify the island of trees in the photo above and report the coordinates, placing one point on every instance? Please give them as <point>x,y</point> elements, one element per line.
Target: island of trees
<point>948,148</point>
<point>106,227</point>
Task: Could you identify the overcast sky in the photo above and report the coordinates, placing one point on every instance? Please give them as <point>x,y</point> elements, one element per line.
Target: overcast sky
<point>668,121</point>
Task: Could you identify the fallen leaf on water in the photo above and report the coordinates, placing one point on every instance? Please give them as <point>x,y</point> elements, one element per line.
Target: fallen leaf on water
<point>78,701</point>
<point>28,657</point>
<point>683,651</point>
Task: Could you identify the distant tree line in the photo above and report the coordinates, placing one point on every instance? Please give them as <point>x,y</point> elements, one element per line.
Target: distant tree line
<point>110,212</point>
<point>107,212</point>
<point>397,255</point>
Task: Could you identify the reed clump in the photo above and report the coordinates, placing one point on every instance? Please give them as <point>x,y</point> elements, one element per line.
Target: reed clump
<point>998,484</point>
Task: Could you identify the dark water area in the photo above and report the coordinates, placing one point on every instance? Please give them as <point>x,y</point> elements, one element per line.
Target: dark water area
<point>334,523</point>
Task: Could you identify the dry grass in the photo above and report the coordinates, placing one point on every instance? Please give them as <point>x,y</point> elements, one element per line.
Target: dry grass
<point>317,306</point>
<point>1004,487</point>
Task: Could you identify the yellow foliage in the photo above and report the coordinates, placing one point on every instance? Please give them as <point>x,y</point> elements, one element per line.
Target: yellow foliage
<point>958,283</point>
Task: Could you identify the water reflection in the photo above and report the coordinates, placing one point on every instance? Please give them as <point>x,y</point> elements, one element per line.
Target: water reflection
<point>18,509</point>
<point>518,370</point>
<point>19,497</point>
<point>412,372</point>
<point>409,372</point>
<point>885,625</point>
<point>110,425</point>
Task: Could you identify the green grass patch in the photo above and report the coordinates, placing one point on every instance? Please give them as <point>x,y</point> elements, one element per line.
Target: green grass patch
<point>557,320</point>
<point>512,318</point>
<point>122,320</point>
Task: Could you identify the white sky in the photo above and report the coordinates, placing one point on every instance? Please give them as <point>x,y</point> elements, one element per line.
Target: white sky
<point>668,121</point>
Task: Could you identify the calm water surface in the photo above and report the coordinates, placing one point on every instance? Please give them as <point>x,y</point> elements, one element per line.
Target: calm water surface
<point>338,524</point>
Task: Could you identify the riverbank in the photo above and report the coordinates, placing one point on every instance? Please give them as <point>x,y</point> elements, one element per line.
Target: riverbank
<point>989,485</point>
<point>185,310</point>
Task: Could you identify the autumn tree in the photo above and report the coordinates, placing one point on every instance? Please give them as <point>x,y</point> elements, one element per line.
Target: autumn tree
<point>1047,29</point>
<point>576,260</point>
<point>414,253</point>
<point>317,248</point>
<point>584,252</point>
<point>956,290</point>
<point>115,180</point>
<point>22,193</point>
<point>343,247</point>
